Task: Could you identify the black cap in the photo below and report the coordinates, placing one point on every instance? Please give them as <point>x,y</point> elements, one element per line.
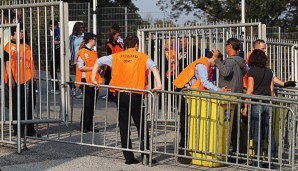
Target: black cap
<point>88,36</point>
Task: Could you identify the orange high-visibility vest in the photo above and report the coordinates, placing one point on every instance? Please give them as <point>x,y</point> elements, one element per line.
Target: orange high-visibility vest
<point>129,69</point>
<point>171,57</point>
<point>89,57</point>
<point>245,77</point>
<point>29,63</point>
<point>189,72</point>
<point>115,49</point>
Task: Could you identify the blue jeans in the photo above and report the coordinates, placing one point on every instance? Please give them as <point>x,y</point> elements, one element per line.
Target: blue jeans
<point>260,114</point>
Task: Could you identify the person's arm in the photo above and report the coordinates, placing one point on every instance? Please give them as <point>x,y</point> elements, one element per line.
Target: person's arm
<point>278,81</point>
<point>272,86</point>
<point>202,73</point>
<point>152,66</point>
<point>105,60</point>
<point>250,89</point>
<point>8,70</point>
<point>225,69</point>
<point>82,67</point>
<point>157,78</point>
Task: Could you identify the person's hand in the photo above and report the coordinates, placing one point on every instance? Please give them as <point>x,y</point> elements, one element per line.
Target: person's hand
<point>290,84</point>
<point>244,111</point>
<point>96,84</point>
<point>224,89</point>
<point>215,53</point>
<point>13,83</point>
<point>156,88</point>
<point>99,71</point>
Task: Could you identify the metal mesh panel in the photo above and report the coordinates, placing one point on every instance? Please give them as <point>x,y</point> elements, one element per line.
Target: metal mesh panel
<point>126,19</point>
<point>80,12</point>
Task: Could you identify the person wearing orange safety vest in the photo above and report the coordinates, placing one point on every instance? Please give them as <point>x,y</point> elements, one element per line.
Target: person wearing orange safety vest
<point>112,47</point>
<point>261,44</point>
<point>197,75</point>
<point>26,81</point>
<point>86,58</point>
<point>130,70</point>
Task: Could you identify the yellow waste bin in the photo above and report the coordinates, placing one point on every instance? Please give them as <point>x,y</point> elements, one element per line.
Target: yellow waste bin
<point>210,118</point>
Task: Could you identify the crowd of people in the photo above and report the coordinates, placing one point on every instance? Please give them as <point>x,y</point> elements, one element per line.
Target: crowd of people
<point>129,68</point>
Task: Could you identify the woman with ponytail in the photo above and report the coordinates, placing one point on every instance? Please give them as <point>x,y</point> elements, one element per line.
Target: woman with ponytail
<point>85,59</point>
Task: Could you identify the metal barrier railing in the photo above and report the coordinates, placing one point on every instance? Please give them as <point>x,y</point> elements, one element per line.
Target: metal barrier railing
<point>207,135</point>
<point>103,131</point>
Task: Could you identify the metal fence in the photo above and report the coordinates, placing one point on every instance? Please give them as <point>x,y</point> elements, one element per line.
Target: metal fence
<point>208,134</point>
<point>45,107</point>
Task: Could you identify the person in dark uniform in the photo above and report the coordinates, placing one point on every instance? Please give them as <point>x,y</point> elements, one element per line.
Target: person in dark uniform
<point>131,75</point>
<point>26,81</point>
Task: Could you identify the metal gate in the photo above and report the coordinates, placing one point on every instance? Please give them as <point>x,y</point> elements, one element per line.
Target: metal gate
<point>47,106</point>
<point>173,48</point>
<point>183,45</point>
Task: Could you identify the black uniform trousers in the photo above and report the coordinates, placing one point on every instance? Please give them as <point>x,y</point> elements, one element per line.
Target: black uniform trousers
<point>135,105</point>
<point>29,95</point>
<point>57,66</point>
<point>183,122</point>
<point>88,106</point>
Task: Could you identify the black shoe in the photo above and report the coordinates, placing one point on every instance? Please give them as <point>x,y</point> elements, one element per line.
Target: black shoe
<point>85,131</point>
<point>95,130</point>
<point>184,160</point>
<point>35,135</point>
<point>133,161</point>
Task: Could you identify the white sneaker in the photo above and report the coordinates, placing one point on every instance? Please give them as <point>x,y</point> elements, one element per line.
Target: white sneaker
<point>80,96</point>
<point>55,91</point>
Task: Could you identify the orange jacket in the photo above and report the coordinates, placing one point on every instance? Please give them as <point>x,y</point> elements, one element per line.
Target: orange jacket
<point>89,58</point>
<point>129,69</point>
<point>189,72</point>
<point>29,63</point>
<point>245,78</point>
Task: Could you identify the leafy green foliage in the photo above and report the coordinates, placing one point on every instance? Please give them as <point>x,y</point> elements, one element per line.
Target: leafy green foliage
<point>271,12</point>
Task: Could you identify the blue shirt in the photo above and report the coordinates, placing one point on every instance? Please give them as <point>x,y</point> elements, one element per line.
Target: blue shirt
<point>202,72</point>
<point>74,45</point>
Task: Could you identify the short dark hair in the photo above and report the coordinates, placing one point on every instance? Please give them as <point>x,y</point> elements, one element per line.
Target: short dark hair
<point>258,58</point>
<point>54,23</point>
<point>258,41</point>
<point>14,29</point>
<point>131,40</point>
<point>235,43</point>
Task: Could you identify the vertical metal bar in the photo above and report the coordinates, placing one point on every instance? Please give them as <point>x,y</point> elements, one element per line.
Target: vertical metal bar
<point>126,22</point>
<point>18,90</point>
<point>62,63</point>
